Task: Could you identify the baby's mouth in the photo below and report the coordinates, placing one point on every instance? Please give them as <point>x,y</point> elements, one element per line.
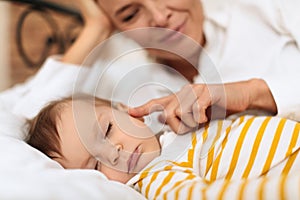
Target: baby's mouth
<point>133,159</point>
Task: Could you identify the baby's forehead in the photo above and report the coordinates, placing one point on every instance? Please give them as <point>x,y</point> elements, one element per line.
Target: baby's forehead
<point>79,109</point>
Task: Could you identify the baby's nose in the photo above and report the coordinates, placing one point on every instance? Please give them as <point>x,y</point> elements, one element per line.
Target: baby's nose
<point>115,155</point>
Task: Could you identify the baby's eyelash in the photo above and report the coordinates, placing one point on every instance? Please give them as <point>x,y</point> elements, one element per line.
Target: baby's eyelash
<point>108,130</point>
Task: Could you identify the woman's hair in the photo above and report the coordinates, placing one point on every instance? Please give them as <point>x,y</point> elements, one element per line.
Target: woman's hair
<point>42,129</point>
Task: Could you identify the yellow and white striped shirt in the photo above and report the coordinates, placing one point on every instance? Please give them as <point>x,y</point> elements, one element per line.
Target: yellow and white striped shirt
<point>246,158</point>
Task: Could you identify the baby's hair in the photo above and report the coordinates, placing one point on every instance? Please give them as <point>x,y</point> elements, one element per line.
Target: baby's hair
<point>42,129</point>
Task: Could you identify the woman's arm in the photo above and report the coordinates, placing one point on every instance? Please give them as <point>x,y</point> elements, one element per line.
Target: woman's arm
<point>97,27</point>
<point>246,95</point>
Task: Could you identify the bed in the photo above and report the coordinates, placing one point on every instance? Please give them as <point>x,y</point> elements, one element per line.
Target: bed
<point>27,173</point>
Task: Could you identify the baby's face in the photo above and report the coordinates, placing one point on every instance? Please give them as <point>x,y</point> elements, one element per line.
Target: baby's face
<point>105,139</point>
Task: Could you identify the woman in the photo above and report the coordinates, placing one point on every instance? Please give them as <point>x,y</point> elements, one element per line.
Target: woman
<point>255,46</point>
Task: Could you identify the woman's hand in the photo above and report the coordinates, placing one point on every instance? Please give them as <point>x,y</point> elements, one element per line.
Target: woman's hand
<point>97,27</point>
<point>195,104</point>
<point>93,15</point>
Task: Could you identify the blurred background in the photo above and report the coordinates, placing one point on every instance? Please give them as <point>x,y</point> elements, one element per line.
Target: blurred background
<point>32,30</point>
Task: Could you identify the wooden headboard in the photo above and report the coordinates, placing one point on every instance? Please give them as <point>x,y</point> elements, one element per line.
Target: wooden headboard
<point>38,29</point>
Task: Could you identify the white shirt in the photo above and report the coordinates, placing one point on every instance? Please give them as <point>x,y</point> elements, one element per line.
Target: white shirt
<point>257,39</point>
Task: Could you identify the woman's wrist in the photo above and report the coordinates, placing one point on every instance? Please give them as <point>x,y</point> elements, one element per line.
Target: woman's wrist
<point>260,96</point>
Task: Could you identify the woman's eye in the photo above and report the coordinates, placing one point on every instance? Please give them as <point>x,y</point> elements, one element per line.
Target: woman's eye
<point>130,16</point>
<point>108,131</point>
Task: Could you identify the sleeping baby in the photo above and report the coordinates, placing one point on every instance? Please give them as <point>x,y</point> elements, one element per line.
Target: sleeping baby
<point>90,133</point>
<point>87,133</point>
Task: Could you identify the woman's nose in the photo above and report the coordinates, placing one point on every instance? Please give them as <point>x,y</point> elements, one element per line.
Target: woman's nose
<point>115,155</point>
<point>160,16</point>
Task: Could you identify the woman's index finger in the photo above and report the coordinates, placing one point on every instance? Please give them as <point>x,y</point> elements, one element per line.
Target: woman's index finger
<point>151,106</point>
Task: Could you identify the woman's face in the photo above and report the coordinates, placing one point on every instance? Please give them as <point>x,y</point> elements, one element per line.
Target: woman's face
<point>124,144</point>
<point>184,16</point>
